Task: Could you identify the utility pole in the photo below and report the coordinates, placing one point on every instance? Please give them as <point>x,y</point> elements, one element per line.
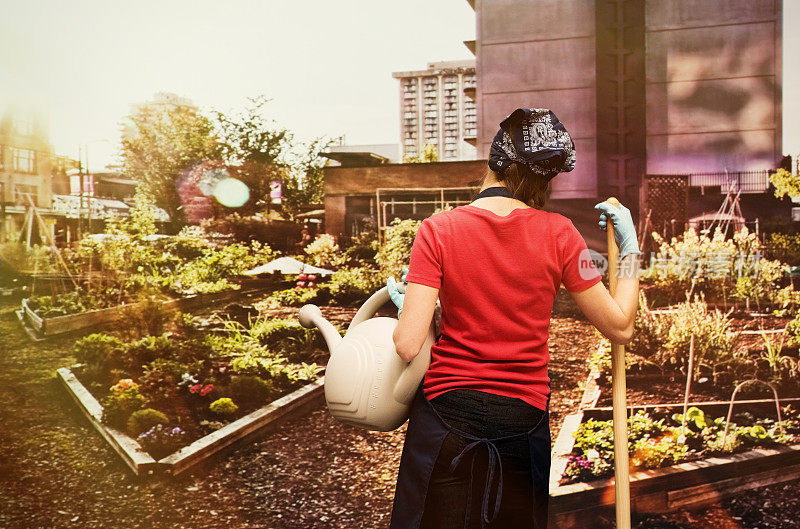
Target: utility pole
<point>3,209</point>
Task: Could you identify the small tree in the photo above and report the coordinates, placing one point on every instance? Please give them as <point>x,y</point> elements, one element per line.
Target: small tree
<point>159,143</point>
<point>303,184</point>
<point>427,155</point>
<point>258,147</point>
<point>785,183</point>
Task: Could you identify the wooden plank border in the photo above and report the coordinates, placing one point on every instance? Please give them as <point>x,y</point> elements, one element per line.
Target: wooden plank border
<point>292,405</point>
<point>289,406</point>
<point>139,461</point>
<point>47,327</point>
<point>691,484</point>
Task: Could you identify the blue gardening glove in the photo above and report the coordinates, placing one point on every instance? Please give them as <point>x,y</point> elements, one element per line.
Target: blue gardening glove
<point>624,230</point>
<point>395,295</point>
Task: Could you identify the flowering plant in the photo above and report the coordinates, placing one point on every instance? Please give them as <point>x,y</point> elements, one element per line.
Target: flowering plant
<point>161,440</point>
<point>200,389</point>
<point>122,385</point>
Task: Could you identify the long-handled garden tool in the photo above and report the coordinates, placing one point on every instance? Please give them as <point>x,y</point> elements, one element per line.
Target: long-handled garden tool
<point>622,489</point>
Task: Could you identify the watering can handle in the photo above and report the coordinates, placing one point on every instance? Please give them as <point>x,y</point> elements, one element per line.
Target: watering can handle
<point>409,380</point>
<point>371,306</point>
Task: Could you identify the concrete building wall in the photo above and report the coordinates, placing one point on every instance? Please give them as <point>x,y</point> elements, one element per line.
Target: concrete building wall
<point>540,54</point>
<point>701,84</point>
<point>713,85</point>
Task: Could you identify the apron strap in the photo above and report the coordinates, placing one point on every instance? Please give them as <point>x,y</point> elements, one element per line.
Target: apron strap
<point>494,461</point>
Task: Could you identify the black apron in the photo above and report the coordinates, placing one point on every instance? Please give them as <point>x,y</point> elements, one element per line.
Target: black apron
<point>424,437</point>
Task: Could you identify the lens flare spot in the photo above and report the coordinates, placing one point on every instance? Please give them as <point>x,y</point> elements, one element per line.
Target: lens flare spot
<point>232,193</point>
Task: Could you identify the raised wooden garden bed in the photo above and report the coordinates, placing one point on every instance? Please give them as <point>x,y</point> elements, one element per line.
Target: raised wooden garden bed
<point>691,484</point>
<point>40,328</point>
<point>246,428</point>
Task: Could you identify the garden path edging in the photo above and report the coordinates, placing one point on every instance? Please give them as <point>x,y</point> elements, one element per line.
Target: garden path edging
<point>293,405</point>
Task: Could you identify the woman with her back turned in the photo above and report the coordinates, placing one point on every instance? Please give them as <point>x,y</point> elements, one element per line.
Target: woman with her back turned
<point>477,448</point>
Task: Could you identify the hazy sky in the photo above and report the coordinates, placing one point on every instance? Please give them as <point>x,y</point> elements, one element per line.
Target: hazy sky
<point>326,64</point>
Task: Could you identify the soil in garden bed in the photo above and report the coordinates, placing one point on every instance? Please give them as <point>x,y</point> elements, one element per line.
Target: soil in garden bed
<point>670,390</point>
<point>774,507</point>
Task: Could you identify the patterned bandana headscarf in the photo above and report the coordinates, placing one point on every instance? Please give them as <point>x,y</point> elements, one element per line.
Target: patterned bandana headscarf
<point>535,137</point>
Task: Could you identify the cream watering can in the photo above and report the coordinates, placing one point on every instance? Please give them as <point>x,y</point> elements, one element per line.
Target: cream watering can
<point>366,383</point>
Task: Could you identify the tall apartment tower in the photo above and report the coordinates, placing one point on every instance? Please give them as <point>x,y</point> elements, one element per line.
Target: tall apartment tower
<point>437,107</point>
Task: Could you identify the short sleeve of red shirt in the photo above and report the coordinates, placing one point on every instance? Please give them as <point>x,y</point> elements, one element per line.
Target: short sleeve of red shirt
<point>425,263</point>
<point>579,271</point>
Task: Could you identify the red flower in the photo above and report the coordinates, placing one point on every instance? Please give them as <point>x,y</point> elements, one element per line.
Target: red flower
<point>195,389</point>
<point>206,390</point>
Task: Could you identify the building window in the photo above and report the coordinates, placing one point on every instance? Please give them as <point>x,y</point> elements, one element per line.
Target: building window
<point>24,161</point>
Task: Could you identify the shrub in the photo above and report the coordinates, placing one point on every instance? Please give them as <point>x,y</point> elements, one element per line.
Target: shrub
<point>324,251</point>
<point>286,337</point>
<point>147,316</point>
<point>142,420</point>
<point>250,390</point>
<point>290,297</point>
<point>714,265</point>
<point>119,405</point>
<point>354,285</point>
<point>162,376</point>
<point>97,350</point>
<point>364,246</point>
<point>141,352</point>
<point>783,247</point>
<point>650,331</point>
<point>395,252</point>
<point>714,346</point>
<point>223,406</point>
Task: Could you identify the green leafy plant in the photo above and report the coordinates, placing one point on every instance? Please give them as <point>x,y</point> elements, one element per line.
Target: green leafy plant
<point>97,349</point>
<point>251,390</point>
<point>324,251</point>
<point>290,297</point>
<point>714,345</point>
<point>776,360</point>
<point>350,286</point>
<point>286,337</point>
<point>161,377</point>
<point>395,251</point>
<point>223,406</point>
<point>655,443</point>
<point>120,404</point>
<point>142,420</point>
<point>785,183</point>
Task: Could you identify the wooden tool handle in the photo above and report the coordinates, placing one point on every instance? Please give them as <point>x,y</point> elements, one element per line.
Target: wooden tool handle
<point>622,490</point>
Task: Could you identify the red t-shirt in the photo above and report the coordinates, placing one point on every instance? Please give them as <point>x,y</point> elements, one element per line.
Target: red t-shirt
<point>497,278</point>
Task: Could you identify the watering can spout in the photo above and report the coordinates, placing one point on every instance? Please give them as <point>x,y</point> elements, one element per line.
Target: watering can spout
<point>310,316</point>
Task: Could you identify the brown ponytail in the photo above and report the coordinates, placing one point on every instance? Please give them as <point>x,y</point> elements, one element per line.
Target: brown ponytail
<point>524,184</point>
